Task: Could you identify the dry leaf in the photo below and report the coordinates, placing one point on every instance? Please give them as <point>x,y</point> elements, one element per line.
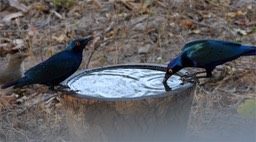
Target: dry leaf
<point>172,24</point>
<point>7,100</point>
<point>57,14</point>
<point>19,44</point>
<point>136,5</point>
<point>186,23</point>
<point>231,14</point>
<point>32,29</point>
<point>3,44</point>
<point>61,38</point>
<point>12,45</point>
<point>171,34</point>
<point>235,14</point>
<point>240,12</point>
<point>249,7</point>
<point>4,49</point>
<point>41,7</point>
<point>11,16</point>
<point>3,5</point>
<point>197,31</point>
<point>18,5</point>
<point>240,22</point>
<point>159,3</point>
<point>97,5</point>
<point>241,32</point>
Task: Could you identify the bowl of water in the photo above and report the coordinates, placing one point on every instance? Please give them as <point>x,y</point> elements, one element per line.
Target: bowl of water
<point>119,82</point>
<point>126,103</point>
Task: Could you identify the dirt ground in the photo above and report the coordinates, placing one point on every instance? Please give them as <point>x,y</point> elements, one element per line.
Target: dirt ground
<point>130,31</point>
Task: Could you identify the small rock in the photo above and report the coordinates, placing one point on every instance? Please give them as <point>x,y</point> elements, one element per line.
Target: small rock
<point>144,49</point>
<point>139,27</point>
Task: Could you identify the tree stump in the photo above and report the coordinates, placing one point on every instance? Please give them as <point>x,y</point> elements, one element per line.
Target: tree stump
<point>159,118</point>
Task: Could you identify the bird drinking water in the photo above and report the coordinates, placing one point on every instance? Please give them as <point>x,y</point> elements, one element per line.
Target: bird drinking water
<point>207,54</point>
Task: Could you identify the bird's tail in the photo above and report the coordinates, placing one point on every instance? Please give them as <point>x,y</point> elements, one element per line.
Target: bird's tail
<point>18,83</point>
<point>250,50</point>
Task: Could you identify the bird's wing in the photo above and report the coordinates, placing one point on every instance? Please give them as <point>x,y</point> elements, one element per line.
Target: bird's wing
<point>57,66</point>
<point>193,44</point>
<point>209,51</point>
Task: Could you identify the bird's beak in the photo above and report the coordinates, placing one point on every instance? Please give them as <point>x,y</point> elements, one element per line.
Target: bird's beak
<point>88,38</point>
<point>166,77</point>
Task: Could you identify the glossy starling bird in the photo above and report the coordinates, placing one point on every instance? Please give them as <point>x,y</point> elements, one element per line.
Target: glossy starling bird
<point>55,69</point>
<point>207,54</point>
<point>13,70</point>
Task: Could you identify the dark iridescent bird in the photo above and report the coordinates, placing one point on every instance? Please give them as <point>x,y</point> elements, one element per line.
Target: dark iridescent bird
<point>55,69</point>
<point>207,54</point>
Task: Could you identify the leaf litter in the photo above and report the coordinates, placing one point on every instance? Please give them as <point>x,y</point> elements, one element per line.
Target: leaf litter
<point>124,29</point>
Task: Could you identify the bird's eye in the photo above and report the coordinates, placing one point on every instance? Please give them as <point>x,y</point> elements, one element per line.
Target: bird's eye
<point>170,70</point>
<point>78,43</point>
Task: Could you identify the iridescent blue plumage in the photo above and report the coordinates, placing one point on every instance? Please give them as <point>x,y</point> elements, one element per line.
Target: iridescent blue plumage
<point>208,54</point>
<point>56,68</point>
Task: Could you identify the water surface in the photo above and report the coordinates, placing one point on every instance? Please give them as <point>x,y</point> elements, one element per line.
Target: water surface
<point>123,83</point>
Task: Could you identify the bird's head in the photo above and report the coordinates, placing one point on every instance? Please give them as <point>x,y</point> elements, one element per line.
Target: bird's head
<point>17,59</point>
<point>174,66</point>
<point>79,44</point>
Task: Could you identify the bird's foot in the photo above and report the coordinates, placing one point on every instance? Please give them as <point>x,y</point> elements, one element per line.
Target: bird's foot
<point>51,90</point>
<point>192,78</point>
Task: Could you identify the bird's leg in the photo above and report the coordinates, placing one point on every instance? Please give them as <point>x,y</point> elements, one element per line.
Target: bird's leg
<point>51,87</point>
<point>194,74</point>
<point>194,78</point>
<point>208,74</point>
<point>191,78</point>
